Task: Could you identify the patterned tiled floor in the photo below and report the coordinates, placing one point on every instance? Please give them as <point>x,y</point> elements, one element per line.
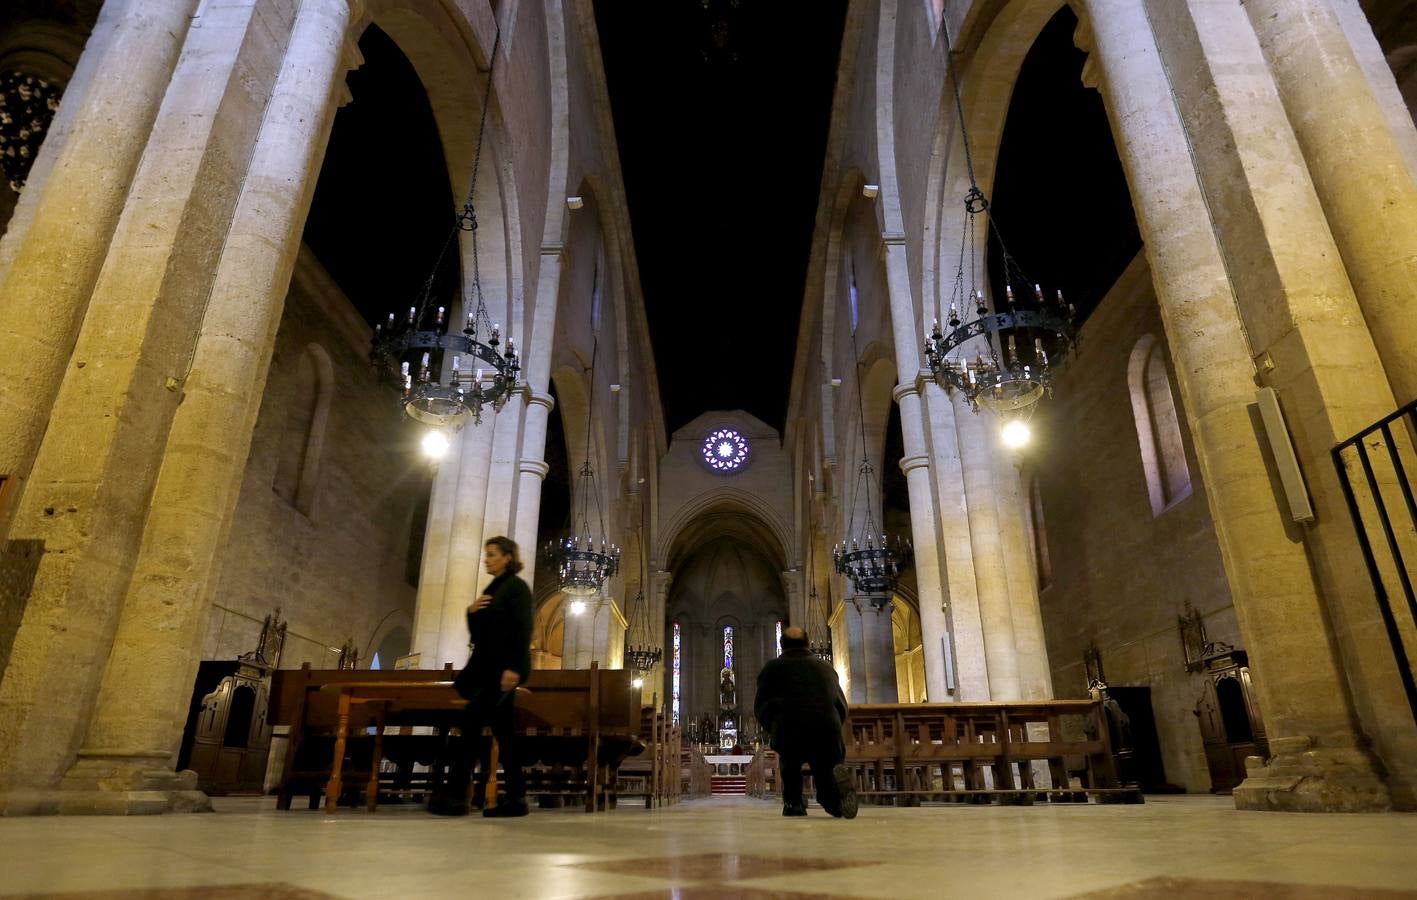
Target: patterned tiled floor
<point>1173,847</point>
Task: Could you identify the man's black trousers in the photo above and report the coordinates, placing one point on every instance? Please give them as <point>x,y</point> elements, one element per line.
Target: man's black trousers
<point>821,748</point>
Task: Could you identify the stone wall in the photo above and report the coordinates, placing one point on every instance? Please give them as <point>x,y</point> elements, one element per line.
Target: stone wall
<point>339,570</point>
<point>1119,574</point>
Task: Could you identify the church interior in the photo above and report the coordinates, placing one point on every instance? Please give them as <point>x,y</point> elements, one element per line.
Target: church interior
<point>985,341</point>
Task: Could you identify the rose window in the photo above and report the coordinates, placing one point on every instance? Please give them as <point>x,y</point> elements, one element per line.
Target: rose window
<point>725,450</point>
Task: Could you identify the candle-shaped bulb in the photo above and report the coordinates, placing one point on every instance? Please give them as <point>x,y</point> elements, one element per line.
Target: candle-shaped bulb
<point>441,310</point>
<point>412,312</point>
<point>1009,293</point>
<point>1038,293</point>
<point>457,363</point>
<point>471,322</point>
<point>403,369</point>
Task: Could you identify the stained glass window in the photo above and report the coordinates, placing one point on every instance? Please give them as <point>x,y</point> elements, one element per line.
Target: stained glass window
<point>728,646</point>
<point>779,637</point>
<point>725,450</point>
<point>855,307</point>
<point>678,661</point>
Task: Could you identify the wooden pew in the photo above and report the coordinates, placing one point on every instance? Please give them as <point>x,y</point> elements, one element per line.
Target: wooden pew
<point>576,727</point>
<point>903,753</point>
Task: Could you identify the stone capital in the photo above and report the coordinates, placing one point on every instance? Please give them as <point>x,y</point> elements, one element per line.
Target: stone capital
<point>909,464</point>
<point>905,389</point>
<point>536,467</point>
<point>535,398</point>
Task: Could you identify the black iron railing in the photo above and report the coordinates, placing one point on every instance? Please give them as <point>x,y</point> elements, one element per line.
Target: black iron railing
<point>1384,514</point>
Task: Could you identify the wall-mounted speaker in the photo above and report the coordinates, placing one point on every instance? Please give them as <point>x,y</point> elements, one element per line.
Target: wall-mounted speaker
<point>1291,478</point>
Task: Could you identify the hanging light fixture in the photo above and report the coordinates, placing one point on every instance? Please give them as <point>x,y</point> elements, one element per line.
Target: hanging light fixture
<point>1014,349</point>
<point>584,559</point>
<point>411,347</point>
<point>869,558</point>
<point>642,657</point>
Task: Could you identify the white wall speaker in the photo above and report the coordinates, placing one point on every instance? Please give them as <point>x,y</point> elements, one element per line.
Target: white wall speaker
<point>1291,478</point>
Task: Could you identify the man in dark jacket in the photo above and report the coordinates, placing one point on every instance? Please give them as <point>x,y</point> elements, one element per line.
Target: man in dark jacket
<point>500,624</point>
<point>801,707</point>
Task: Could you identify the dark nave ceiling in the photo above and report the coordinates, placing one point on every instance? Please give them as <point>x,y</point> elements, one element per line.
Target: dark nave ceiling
<point>721,112</point>
<point>1060,196</point>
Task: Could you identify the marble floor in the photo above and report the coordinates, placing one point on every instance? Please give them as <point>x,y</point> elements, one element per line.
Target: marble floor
<point>1176,847</point>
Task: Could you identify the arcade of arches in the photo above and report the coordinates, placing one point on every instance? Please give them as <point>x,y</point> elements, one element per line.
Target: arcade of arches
<point>207,205</point>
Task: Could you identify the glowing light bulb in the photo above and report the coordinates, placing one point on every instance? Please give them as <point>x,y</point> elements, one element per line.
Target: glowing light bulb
<point>435,444</point>
<point>577,607</point>
<point>638,683</point>
<point>1016,433</point>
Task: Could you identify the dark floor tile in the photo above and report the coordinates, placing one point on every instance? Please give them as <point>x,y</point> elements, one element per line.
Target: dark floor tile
<point>1208,889</point>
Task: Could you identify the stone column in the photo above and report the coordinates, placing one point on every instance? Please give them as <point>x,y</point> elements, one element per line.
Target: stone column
<point>1357,167</point>
<point>1035,677</point>
<point>1381,77</point>
<point>871,648</point>
<point>594,635</point>
<point>976,434</point>
<point>504,474</point>
<point>1319,353</point>
<point>792,589</point>
<point>433,569</point>
<point>532,472</point>
<point>464,575</point>
<point>659,596</point>
<point>961,588</point>
<point>142,706</point>
<point>51,265</point>
<point>97,464</point>
<point>916,466</point>
<point>1316,764</point>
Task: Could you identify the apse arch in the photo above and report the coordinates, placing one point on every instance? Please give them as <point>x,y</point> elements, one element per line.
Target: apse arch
<point>726,511</point>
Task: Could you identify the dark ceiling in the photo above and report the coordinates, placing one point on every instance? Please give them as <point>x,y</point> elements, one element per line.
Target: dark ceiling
<point>721,112</point>
<point>721,116</point>
<point>383,206</point>
<point>1060,196</point>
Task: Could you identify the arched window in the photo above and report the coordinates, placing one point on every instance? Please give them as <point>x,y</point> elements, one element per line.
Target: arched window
<point>1163,455</point>
<point>851,293</point>
<point>1038,531</point>
<point>677,658</point>
<point>303,440</point>
<point>777,629</point>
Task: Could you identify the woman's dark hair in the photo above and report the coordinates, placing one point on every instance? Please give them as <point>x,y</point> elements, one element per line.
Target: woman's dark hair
<point>507,547</point>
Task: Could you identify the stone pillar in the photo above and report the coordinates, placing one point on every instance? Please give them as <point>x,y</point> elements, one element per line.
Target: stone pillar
<point>1317,763</point>
<point>532,472</point>
<point>792,589</point>
<point>1035,676</point>
<point>433,569</point>
<point>97,464</point>
<point>142,706</point>
<point>596,635</point>
<point>1320,355</point>
<point>504,473</point>
<point>464,576</point>
<point>977,434</point>
<point>871,651</point>
<point>51,265</point>
<point>916,466</point>
<point>1381,77</point>
<point>1357,167</point>
<point>961,589</point>
<point>659,596</point>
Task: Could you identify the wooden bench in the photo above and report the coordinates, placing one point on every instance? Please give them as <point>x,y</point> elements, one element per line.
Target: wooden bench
<point>904,753</point>
<point>576,727</point>
<point>654,773</point>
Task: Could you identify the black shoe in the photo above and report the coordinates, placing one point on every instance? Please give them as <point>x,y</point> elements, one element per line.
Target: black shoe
<point>507,809</point>
<point>794,809</point>
<point>845,791</point>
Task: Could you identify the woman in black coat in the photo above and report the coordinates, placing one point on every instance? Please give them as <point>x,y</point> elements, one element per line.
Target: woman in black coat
<point>499,622</point>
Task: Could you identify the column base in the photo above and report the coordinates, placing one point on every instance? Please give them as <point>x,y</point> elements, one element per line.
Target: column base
<point>1302,777</point>
<point>113,783</point>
